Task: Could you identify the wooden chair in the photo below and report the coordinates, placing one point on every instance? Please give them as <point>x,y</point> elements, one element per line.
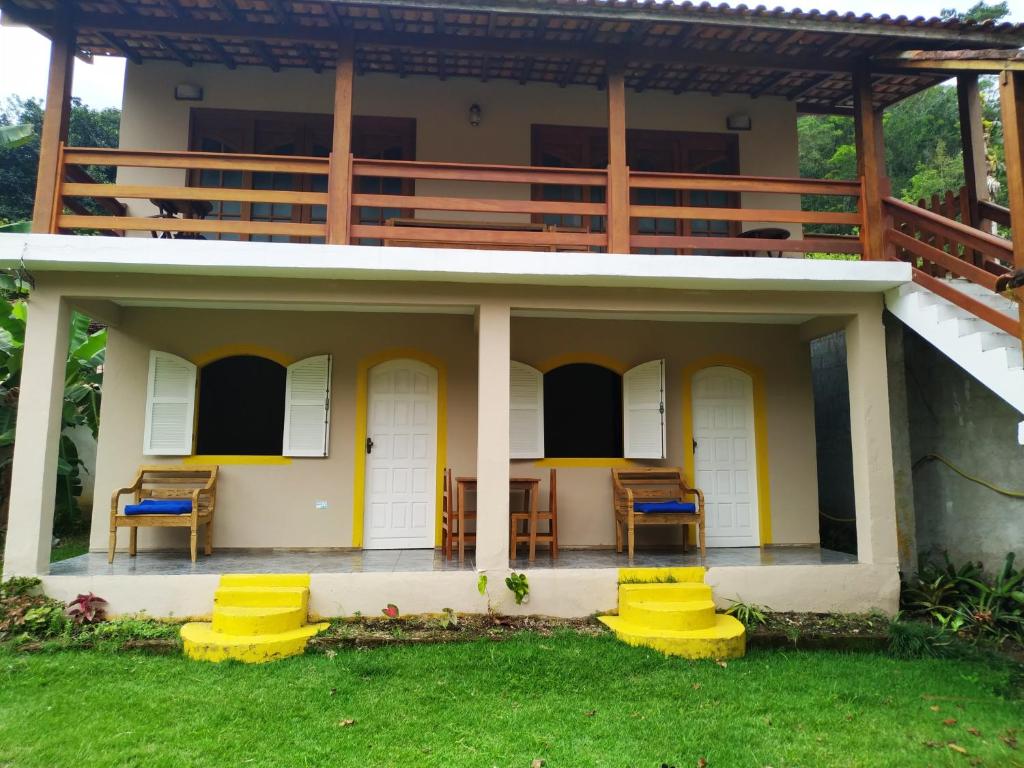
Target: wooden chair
<point>654,496</point>
<point>167,483</point>
<point>534,537</point>
<point>453,521</point>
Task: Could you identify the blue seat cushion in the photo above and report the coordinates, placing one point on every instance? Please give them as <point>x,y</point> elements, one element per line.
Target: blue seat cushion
<point>160,507</point>
<point>664,506</point>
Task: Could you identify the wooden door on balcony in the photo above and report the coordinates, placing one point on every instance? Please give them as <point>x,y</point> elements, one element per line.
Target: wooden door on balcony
<point>654,151</point>
<point>304,135</point>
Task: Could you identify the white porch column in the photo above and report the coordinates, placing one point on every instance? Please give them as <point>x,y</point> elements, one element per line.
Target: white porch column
<point>492,452</point>
<point>34,477</point>
<point>870,438</point>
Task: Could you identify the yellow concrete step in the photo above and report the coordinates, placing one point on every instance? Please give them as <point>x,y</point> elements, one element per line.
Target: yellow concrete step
<point>204,644</point>
<point>692,614</point>
<point>267,597</point>
<point>265,580</point>
<point>693,573</point>
<point>725,640</point>
<point>257,619</point>
<point>682,592</point>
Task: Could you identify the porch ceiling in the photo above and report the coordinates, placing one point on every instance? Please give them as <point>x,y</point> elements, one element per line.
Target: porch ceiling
<point>804,57</point>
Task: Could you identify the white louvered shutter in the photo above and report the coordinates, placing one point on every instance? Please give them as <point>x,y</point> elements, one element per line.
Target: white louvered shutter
<point>643,411</point>
<point>307,407</point>
<point>526,412</point>
<point>170,405</point>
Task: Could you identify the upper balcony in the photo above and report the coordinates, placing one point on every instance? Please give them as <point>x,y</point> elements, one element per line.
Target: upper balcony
<point>641,128</point>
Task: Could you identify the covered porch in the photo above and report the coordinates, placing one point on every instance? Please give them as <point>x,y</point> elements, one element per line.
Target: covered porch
<point>314,509</point>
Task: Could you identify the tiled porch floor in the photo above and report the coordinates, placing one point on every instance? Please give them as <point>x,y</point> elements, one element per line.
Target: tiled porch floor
<point>388,561</point>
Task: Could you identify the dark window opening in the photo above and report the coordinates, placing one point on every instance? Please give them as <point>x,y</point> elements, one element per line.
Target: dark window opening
<point>241,407</point>
<point>582,412</point>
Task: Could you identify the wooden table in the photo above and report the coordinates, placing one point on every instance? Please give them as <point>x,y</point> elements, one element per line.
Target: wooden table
<point>528,485</point>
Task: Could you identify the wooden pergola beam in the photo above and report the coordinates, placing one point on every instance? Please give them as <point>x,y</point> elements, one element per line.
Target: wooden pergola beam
<point>56,117</point>
<point>990,61</point>
<point>339,183</point>
<point>263,51</point>
<point>189,27</point>
<point>1011,104</point>
<point>972,139</point>
<point>680,15</point>
<point>121,47</point>
<point>221,53</point>
<point>618,169</point>
<point>174,50</point>
<point>871,165</point>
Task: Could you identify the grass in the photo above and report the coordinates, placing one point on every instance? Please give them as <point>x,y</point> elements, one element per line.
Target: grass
<point>71,545</point>
<point>568,699</point>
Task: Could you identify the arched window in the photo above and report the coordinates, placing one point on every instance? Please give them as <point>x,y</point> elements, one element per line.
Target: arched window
<point>241,407</point>
<point>582,412</point>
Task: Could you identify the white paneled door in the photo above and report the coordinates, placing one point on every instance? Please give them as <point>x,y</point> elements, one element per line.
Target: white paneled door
<point>725,461</point>
<point>401,460</point>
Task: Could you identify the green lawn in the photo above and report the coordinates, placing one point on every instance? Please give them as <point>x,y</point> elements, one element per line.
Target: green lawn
<point>71,545</point>
<point>568,699</point>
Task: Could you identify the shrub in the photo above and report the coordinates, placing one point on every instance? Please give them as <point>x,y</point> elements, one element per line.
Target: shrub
<point>920,640</point>
<point>751,615</point>
<point>965,600</point>
<point>27,613</point>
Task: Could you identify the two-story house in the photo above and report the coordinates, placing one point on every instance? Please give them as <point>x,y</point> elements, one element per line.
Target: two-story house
<point>353,243</point>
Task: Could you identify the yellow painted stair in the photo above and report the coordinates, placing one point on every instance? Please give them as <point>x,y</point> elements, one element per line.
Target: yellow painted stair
<point>256,618</point>
<point>672,611</point>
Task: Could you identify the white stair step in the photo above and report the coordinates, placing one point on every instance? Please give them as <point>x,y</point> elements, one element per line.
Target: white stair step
<point>966,326</point>
<point>1006,355</point>
<point>998,340</point>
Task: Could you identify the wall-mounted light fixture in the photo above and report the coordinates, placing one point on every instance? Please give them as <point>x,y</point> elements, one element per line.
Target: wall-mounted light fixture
<point>739,122</point>
<point>475,115</point>
<point>188,92</point>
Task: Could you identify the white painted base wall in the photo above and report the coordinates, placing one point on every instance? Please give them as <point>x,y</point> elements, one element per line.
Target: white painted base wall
<point>574,593</point>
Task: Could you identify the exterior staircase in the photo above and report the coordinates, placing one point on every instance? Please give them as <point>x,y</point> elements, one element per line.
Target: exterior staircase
<point>987,353</point>
<point>256,618</point>
<point>671,610</point>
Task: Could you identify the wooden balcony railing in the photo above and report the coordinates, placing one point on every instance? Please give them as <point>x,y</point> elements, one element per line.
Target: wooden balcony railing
<point>760,185</point>
<point>394,202</point>
<point>75,184</point>
<point>938,247</point>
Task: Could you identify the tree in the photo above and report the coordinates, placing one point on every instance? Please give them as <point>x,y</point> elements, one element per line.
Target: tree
<point>81,398</point>
<point>980,11</point>
<point>88,128</point>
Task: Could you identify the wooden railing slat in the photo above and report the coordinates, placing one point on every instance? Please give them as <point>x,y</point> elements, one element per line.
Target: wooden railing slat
<point>744,244</point>
<point>212,226</point>
<point>729,183</point>
<point>407,169</point>
<point>478,205</point>
<point>474,236</point>
<point>147,192</point>
<point>950,263</point>
<point>743,214</point>
<point>978,309</point>
<point>197,160</point>
<point>940,226</point>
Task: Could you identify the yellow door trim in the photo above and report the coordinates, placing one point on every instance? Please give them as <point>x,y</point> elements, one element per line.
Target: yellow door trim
<point>362,407</point>
<point>756,375</point>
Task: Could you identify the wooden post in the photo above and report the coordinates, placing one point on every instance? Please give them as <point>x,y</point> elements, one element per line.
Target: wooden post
<point>1011,105</point>
<point>339,208</point>
<point>1011,102</point>
<point>972,138</point>
<point>618,170</point>
<point>870,166</point>
<point>56,117</point>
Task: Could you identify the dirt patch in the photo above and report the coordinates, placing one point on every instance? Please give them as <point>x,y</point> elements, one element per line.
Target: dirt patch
<point>373,633</point>
<point>821,631</point>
